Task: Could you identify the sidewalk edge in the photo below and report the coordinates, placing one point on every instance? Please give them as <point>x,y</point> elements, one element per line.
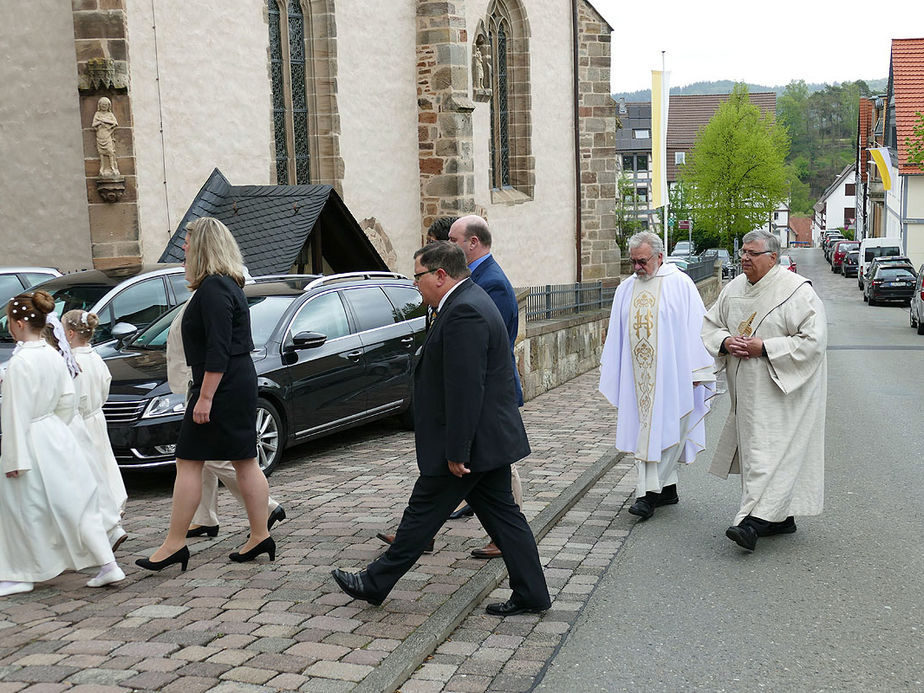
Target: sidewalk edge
<point>395,669</point>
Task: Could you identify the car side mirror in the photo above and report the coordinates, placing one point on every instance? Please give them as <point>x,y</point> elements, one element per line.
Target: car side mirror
<point>308,340</point>
<point>123,331</point>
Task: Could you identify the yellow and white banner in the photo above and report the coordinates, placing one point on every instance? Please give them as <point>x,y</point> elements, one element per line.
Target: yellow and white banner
<point>660,103</point>
<point>884,163</point>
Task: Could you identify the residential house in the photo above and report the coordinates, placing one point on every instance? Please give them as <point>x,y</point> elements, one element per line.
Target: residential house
<point>870,195</point>
<point>837,207</point>
<point>800,231</point>
<point>633,146</point>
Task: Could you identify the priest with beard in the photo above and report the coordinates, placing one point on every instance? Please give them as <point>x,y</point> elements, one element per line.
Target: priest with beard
<point>768,330</point>
<point>656,372</point>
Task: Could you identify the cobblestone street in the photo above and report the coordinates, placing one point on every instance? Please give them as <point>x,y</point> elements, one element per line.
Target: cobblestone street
<point>285,626</point>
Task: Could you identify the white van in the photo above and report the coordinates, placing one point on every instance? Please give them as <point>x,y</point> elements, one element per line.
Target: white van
<point>876,247</point>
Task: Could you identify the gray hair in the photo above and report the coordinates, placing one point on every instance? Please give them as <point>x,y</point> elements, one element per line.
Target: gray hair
<point>652,240</point>
<point>771,242</point>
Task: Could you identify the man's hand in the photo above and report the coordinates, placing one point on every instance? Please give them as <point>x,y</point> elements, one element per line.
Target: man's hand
<point>202,410</point>
<point>13,474</point>
<point>744,347</point>
<point>459,469</point>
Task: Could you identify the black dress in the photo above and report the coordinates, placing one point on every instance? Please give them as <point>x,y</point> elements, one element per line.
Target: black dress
<point>216,338</point>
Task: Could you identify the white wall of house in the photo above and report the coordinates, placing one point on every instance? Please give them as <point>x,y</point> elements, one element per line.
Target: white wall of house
<point>837,202</point>
<point>914,231</point>
<point>209,89</point>
<point>43,194</point>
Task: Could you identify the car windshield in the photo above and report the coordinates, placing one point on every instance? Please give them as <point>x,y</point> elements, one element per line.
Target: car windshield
<point>265,312</point>
<point>890,274</point>
<point>79,297</point>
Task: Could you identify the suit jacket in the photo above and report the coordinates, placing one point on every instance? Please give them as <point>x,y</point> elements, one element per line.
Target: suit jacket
<point>490,277</point>
<point>465,401</point>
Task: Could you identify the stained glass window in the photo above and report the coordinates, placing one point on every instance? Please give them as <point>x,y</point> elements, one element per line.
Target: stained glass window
<point>299,97</point>
<point>279,94</point>
<point>500,114</point>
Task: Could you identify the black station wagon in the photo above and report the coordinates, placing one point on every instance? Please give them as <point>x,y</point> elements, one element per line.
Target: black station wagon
<point>331,352</point>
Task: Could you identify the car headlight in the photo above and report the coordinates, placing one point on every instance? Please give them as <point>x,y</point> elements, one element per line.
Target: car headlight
<point>167,405</point>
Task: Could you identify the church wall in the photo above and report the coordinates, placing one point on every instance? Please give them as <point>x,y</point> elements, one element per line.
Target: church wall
<point>377,100</point>
<point>214,102</point>
<point>534,240</point>
<point>43,216</point>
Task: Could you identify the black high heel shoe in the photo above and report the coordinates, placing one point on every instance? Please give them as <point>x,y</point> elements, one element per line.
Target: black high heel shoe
<point>464,511</point>
<point>181,557</point>
<point>203,530</point>
<point>267,546</point>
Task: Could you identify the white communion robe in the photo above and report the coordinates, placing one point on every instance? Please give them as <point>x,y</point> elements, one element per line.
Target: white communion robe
<point>775,432</point>
<point>92,389</point>
<point>49,515</point>
<point>652,356</point>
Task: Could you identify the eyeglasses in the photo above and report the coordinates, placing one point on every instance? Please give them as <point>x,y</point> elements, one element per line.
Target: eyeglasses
<point>752,253</point>
<point>641,261</point>
<point>418,275</point>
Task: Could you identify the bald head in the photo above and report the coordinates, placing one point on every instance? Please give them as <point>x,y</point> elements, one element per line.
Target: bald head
<point>472,235</point>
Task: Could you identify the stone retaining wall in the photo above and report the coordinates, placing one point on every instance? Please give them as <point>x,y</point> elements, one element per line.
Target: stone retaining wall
<point>551,352</point>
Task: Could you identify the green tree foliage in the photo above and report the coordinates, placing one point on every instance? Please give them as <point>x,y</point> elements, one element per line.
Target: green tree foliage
<point>915,143</point>
<point>736,175</point>
<point>822,126</point>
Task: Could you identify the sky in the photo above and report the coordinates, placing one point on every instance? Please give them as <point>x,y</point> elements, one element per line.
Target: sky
<point>785,40</point>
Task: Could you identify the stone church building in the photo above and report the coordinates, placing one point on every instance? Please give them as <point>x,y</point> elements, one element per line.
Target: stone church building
<point>114,113</point>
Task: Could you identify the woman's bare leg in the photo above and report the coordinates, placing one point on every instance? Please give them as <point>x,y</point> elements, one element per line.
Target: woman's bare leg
<point>187,490</point>
<point>255,493</point>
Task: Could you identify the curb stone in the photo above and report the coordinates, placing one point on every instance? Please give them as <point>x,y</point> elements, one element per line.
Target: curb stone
<point>395,669</point>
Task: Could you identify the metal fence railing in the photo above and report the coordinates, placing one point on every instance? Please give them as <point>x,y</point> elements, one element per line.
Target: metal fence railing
<point>558,300</point>
<point>697,271</point>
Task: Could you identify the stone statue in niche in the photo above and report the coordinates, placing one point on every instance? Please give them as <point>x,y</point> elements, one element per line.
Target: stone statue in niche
<point>481,71</point>
<point>104,122</point>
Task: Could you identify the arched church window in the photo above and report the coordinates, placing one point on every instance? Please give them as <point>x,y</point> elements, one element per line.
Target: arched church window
<point>512,166</point>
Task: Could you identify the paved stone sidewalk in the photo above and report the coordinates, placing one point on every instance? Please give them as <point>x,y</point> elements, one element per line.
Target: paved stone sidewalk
<point>284,625</point>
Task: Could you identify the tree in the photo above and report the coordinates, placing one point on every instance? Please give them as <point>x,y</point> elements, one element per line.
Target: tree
<point>736,174</point>
<point>916,144</point>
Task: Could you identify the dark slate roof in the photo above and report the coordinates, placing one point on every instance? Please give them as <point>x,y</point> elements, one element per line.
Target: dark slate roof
<point>637,117</point>
<point>272,223</point>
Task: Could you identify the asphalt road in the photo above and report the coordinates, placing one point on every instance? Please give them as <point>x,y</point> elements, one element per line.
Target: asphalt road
<point>837,606</point>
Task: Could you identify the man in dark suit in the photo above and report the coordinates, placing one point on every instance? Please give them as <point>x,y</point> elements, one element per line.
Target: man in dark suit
<point>472,235</point>
<point>468,432</point>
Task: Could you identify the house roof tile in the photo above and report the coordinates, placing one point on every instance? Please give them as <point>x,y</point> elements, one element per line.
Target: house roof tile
<point>908,88</point>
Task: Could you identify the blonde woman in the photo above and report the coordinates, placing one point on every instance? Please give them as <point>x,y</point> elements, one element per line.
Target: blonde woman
<point>220,420</point>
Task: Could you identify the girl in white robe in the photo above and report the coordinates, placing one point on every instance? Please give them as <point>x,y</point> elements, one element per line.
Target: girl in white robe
<point>92,386</point>
<point>49,508</point>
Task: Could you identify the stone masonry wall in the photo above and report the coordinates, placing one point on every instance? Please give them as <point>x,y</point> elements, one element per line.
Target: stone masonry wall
<point>444,121</point>
<point>101,45</point>
<point>599,169</point>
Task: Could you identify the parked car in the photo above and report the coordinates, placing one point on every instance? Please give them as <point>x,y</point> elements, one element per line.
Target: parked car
<point>15,280</point>
<point>830,243</point>
<point>787,262</point>
<point>850,263</point>
<point>839,251</point>
<point>728,268</point>
<point>888,283</point>
<point>125,299</point>
<point>330,353</point>
<point>916,307</point>
<point>875,247</point>
<point>684,249</point>
<point>885,261</point>
<point>681,262</point>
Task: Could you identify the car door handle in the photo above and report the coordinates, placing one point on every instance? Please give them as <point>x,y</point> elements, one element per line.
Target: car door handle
<point>407,341</point>
<point>354,355</point>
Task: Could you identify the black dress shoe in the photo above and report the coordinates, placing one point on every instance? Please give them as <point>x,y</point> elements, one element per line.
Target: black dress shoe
<point>390,538</point>
<point>668,496</point>
<point>643,507</point>
<point>267,546</point>
<point>464,511</point>
<point>353,585</point>
<point>202,530</point>
<point>787,526</point>
<point>511,608</point>
<point>181,557</point>
<point>278,515</point>
<point>744,535</point>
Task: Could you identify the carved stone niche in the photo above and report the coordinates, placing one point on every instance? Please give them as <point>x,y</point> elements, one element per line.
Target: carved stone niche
<point>102,73</point>
<point>110,188</point>
<point>482,67</point>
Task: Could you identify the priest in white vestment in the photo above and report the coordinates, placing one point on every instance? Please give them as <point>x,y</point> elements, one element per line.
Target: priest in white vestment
<point>768,330</point>
<point>656,372</point>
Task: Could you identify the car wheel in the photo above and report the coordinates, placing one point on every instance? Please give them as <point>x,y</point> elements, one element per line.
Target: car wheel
<point>920,326</point>
<point>270,435</point>
<point>865,298</point>
<point>871,301</point>
<point>911,317</point>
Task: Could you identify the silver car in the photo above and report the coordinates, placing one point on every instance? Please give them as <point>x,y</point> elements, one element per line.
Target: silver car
<point>15,280</point>
<point>916,307</point>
